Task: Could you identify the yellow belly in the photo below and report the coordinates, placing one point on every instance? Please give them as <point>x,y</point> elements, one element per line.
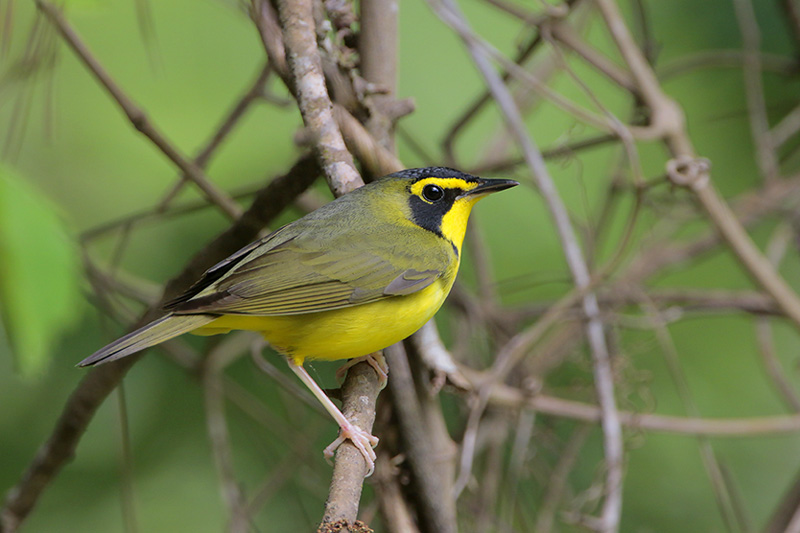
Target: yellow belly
<point>340,333</point>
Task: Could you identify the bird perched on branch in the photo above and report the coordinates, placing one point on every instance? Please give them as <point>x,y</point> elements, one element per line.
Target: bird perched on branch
<point>345,281</point>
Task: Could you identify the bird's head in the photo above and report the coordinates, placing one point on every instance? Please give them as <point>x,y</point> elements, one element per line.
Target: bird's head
<point>439,199</point>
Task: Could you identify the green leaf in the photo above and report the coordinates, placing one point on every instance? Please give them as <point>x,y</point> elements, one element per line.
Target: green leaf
<point>39,273</point>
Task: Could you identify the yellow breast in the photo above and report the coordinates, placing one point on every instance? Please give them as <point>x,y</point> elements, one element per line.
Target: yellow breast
<point>341,333</point>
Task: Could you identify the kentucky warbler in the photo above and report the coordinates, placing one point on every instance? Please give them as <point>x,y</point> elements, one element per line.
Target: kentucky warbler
<point>351,278</point>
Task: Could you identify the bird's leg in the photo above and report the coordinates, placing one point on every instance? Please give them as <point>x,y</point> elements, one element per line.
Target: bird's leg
<point>375,360</point>
<point>362,440</point>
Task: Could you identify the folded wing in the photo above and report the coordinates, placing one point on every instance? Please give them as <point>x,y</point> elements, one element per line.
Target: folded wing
<point>287,276</point>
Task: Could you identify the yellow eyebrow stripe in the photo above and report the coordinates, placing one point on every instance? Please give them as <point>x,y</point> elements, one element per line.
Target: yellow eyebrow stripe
<point>445,183</point>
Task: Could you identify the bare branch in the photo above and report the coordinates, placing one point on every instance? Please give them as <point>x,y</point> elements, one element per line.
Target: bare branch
<point>754,89</point>
<point>434,499</point>
<point>302,57</point>
<point>510,397</point>
<point>360,389</point>
<point>137,116</point>
<point>212,368</point>
<point>377,45</point>
<point>359,394</point>
<point>604,381</point>
<point>227,125</point>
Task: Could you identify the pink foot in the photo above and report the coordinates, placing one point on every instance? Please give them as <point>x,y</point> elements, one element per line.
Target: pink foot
<point>360,439</point>
<point>375,360</point>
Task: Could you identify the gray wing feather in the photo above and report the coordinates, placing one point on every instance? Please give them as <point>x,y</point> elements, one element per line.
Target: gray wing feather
<point>153,333</point>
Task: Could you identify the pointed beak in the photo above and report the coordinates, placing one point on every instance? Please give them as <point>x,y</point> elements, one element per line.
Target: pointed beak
<point>489,186</point>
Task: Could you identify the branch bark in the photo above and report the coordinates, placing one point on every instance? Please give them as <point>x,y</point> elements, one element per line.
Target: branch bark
<point>359,395</point>
<point>308,81</point>
<point>306,78</point>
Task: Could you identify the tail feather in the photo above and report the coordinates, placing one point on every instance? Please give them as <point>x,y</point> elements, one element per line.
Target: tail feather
<point>153,333</point>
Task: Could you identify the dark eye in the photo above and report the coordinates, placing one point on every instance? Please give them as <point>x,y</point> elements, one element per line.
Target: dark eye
<point>432,193</point>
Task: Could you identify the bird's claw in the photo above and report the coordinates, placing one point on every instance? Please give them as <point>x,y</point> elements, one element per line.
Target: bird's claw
<point>375,360</point>
<point>362,440</point>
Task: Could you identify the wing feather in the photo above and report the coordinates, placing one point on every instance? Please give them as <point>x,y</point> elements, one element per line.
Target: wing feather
<point>304,273</point>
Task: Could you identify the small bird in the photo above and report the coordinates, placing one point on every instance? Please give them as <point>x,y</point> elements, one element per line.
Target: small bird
<point>357,275</point>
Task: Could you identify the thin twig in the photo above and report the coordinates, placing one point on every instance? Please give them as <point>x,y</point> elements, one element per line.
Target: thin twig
<point>687,64</point>
<point>448,144</point>
<point>604,381</point>
<point>569,37</point>
<point>488,495</point>
<point>150,214</point>
<point>137,116</point>
<point>520,454</point>
<point>776,249</point>
<point>237,112</point>
<point>437,510</point>
<point>772,365</point>
<point>749,208</point>
<point>528,17</point>
<point>557,482</point>
<point>714,468</point>
<point>506,396</point>
<point>754,89</point>
<point>212,369</point>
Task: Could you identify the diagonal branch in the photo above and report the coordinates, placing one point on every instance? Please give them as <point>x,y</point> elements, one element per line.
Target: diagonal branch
<point>308,81</point>
<point>237,112</point>
<point>137,116</point>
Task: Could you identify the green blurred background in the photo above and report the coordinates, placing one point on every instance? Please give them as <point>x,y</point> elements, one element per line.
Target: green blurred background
<point>80,154</point>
